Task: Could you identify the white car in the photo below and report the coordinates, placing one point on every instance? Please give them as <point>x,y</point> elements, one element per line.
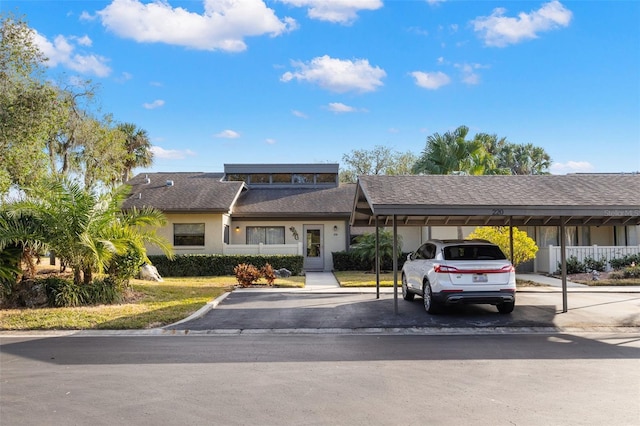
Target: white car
<point>449,272</point>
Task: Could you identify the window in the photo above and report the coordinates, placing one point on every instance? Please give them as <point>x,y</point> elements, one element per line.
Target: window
<point>237,177</point>
<point>471,252</point>
<point>303,178</point>
<point>258,178</point>
<point>325,178</point>
<point>226,234</point>
<point>188,234</point>
<point>281,178</point>
<point>427,251</point>
<point>265,234</point>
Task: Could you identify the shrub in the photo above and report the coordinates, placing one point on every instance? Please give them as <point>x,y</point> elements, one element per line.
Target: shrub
<point>630,272</point>
<point>103,292</point>
<point>524,247</point>
<point>246,274</point>
<point>197,265</point>
<point>622,262</point>
<point>574,266</point>
<point>350,261</point>
<point>268,274</point>
<point>64,293</point>
<point>123,267</point>
<point>591,264</point>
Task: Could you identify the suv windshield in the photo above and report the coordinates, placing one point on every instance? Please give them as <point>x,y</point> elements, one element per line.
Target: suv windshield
<point>473,252</point>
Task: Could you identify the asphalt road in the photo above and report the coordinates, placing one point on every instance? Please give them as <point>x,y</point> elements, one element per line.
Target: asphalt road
<point>322,379</point>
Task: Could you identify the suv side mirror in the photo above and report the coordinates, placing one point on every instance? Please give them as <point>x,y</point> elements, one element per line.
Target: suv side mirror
<point>411,256</point>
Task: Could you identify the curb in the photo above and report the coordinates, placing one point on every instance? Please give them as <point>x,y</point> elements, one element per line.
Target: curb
<point>382,331</point>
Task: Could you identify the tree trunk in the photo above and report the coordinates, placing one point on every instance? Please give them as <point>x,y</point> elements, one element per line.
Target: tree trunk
<point>88,275</point>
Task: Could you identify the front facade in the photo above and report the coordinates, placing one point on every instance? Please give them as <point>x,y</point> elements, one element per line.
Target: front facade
<point>303,209</point>
<point>251,209</point>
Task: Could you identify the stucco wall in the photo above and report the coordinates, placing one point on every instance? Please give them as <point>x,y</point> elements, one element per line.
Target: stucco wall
<point>213,229</point>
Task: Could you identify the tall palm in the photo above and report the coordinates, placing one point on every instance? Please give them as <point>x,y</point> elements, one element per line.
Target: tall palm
<point>450,153</point>
<point>138,148</point>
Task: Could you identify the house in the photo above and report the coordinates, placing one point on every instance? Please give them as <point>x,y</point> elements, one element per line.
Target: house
<point>251,209</point>
<point>304,209</point>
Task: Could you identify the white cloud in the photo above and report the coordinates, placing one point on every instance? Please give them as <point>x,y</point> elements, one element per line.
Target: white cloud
<point>431,80</point>
<point>153,105</point>
<point>339,107</point>
<point>499,30</point>
<point>84,40</point>
<point>299,114</point>
<point>338,75</point>
<point>222,26</point>
<point>228,134</point>
<point>571,167</point>
<point>270,141</point>
<point>61,51</point>
<point>86,16</point>
<point>469,74</point>
<point>171,154</point>
<point>435,2</point>
<point>337,11</point>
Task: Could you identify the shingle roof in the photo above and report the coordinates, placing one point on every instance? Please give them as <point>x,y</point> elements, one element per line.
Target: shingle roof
<point>437,199</point>
<point>190,192</point>
<point>291,202</point>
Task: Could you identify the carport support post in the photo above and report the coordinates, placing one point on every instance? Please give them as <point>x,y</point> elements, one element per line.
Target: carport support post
<point>395,265</point>
<point>511,239</point>
<point>563,261</point>
<point>377,260</point>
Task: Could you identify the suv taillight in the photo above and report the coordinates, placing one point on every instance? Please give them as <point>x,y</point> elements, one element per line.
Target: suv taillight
<point>444,269</point>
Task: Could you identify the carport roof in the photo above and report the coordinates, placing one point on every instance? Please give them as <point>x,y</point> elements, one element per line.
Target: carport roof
<point>542,200</point>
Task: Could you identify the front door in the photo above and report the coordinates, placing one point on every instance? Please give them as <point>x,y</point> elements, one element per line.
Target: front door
<point>313,248</point>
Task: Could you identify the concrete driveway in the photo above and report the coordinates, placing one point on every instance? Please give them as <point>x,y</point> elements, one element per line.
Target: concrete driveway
<point>325,306</point>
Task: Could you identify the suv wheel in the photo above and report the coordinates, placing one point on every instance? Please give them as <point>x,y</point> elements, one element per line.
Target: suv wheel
<point>406,294</point>
<point>506,307</point>
<point>427,299</point>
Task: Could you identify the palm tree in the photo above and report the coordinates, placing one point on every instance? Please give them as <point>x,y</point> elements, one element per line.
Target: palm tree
<point>85,230</point>
<point>452,153</point>
<point>138,148</point>
<point>365,247</point>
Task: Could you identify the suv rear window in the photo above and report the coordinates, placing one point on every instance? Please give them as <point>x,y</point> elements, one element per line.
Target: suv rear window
<point>473,252</point>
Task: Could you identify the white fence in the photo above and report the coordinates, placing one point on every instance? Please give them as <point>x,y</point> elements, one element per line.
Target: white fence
<point>548,258</point>
<point>275,249</point>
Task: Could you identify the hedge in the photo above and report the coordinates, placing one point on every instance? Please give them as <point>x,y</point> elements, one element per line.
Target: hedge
<point>198,265</point>
<point>348,261</point>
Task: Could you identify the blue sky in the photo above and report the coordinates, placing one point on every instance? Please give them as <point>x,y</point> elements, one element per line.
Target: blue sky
<point>303,81</point>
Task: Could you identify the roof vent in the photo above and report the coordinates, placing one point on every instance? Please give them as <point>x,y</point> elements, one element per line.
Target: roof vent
<point>140,196</point>
<point>146,179</point>
<point>169,183</point>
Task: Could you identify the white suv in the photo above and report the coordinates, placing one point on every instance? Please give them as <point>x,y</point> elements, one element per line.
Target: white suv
<point>449,272</point>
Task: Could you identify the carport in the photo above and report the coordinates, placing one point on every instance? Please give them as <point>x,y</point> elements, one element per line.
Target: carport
<point>460,200</point>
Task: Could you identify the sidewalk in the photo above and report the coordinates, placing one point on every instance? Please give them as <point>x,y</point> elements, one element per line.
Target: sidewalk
<point>325,282</point>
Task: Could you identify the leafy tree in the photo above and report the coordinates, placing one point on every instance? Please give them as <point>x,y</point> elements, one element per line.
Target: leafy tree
<point>378,161</point>
<point>51,129</point>
<point>524,247</point>
<point>365,247</point>
<point>25,102</point>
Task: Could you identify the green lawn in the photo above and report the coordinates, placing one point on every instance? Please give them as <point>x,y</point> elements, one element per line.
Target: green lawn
<point>368,279</point>
<point>149,305</point>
